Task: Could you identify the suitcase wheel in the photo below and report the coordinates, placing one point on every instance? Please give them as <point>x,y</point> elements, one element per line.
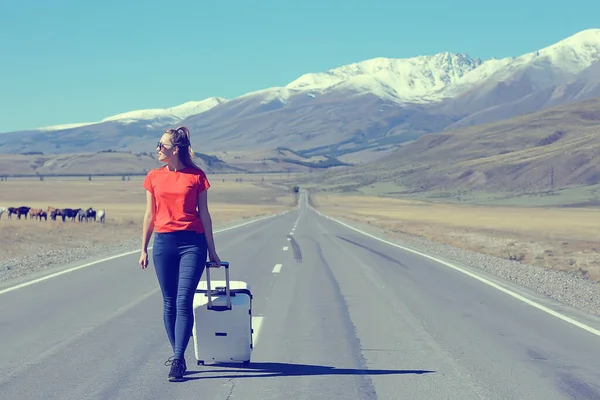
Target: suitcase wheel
<point>200,362</point>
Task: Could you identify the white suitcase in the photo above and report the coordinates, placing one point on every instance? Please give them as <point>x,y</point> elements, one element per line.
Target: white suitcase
<point>222,330</point>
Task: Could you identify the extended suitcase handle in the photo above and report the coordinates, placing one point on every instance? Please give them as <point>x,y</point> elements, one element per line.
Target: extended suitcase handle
<point>209,265</point>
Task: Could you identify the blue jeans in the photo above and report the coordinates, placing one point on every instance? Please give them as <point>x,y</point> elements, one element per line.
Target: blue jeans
<point>179,261</point>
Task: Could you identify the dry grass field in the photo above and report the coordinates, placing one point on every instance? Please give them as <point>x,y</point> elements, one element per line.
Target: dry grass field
<point>558,238</point>
<point>124,202</point>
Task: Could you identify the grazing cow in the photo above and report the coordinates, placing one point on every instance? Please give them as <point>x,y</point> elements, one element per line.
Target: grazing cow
<point>101,216</point>
<point>87,214</point>
<point>23,210</point>
<point>54,213</point>
<point>69,213</point>
<point>38,213</point>
<point>90,213</point>
<point>2,211</point>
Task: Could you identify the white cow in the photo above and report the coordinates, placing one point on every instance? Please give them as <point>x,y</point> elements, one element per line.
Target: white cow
<point>101,214</point>
<point>2,211</point>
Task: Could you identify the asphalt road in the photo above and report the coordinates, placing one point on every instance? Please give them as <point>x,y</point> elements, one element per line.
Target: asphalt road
<point>338,315</point>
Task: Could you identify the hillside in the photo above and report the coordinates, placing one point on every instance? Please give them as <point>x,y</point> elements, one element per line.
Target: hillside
<point>354,113</point>
<point>119,162</point>
<point>542,151</point>
<point>93,163</point>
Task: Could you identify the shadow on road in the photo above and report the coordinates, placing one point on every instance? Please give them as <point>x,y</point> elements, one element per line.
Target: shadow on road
<point>269,369</point>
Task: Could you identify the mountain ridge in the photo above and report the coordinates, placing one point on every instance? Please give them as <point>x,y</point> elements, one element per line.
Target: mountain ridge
<point>586,38</point>
<point>368,106</point>
<point>174,114</point>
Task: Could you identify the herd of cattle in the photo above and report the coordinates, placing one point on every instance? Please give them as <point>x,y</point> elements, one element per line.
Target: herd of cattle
<point>64,213</point>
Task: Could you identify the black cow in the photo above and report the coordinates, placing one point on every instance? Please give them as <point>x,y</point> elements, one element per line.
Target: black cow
<point>54,213</point>
<point>90,213</point>
<point>23,210</point>
<point>87,214</point>
<point>69,213</point>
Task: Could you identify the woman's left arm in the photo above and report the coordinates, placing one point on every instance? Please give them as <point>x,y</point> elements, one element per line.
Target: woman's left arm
<point>207,224</point>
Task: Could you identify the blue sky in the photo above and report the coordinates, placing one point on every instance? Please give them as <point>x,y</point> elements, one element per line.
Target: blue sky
<point>65,61</point>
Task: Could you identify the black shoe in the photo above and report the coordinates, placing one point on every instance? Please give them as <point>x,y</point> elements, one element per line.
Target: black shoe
<point>178,368</point>
<point>170,361</point>
<point>177,371</point>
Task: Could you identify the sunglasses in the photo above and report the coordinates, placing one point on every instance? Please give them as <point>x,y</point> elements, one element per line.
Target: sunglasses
<point>160,145</point>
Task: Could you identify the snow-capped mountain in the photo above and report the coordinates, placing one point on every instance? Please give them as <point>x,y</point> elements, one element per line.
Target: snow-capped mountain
<point>368,104</point>
<point>383,101</point>
<point>409,80</point>
<point>583,86</point>
<point>501,81</point>
<point>156,116</point>
<point>545,67</point>
<point>415,79</point>
<point>430,79</point>
<point>178,113</point>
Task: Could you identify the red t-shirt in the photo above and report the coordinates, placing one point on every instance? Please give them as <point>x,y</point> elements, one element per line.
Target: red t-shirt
<point>176,198</point>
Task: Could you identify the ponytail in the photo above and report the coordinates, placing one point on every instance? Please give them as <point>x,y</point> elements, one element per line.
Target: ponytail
<point>181,139</point>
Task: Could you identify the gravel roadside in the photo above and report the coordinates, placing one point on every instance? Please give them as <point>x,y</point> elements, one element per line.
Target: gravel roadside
<point>21,267</point>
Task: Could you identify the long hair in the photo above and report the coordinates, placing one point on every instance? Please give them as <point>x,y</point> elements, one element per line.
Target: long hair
<point>181,139</point>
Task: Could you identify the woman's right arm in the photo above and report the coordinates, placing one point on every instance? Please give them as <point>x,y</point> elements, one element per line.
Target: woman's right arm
<point>148,226</point>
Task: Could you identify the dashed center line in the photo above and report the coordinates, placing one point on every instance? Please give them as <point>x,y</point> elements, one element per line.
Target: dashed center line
<point>285,248</point>
<point>277,268</point>
<point>292,232</point>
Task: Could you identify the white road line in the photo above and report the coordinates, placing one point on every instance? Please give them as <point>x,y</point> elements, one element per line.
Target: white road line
<point>277,268</point>
<point>289,239</point>
<point>285,248</point>
<point>256,324</point>
<point>292,232</point>
<point>479,278</point>
<point>89,264</point>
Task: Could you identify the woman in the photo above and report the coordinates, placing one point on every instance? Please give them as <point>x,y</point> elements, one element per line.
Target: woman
<point>177,211</point>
